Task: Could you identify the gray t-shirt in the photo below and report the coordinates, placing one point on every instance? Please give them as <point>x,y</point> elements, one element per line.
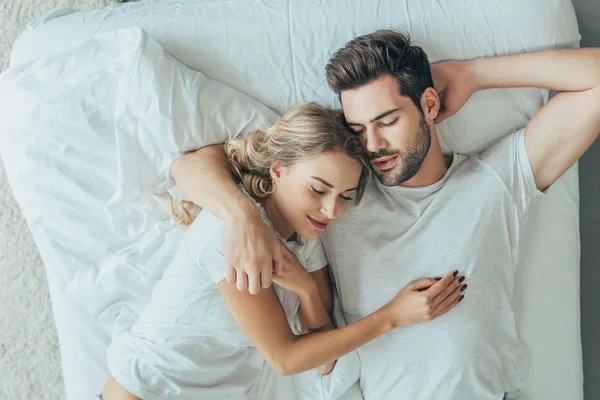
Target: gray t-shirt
<point>469,221</point>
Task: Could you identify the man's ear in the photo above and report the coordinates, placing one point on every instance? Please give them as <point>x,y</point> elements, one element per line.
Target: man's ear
<point>430,103</point>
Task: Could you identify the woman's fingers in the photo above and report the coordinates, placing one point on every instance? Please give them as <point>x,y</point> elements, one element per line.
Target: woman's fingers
<point>440,285</point>
<point>450,288</point>
<point>449,307</point>
<point>451,298</point>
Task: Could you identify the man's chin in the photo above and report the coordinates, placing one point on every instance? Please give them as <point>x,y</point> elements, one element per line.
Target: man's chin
<point>387,178</point>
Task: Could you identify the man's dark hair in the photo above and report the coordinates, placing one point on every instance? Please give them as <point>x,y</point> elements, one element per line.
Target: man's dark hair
<point>368,57</point>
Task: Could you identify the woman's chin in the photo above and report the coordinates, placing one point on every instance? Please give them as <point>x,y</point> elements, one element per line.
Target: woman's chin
<point>310,233</point>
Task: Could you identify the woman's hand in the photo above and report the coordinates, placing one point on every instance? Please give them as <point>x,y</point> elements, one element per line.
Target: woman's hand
<point>426,299</point>
<point>454,85</point>
<point>294,277</point>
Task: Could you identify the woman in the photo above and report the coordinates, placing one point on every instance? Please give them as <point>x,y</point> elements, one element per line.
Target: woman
<point>201,338</point>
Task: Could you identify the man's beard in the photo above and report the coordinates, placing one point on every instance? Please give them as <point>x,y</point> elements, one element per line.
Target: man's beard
<point>409,162</point>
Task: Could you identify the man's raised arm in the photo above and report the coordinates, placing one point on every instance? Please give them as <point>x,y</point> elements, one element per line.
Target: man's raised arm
<point>251,249</point>
<point>558,134</point>
<point>563,129</point>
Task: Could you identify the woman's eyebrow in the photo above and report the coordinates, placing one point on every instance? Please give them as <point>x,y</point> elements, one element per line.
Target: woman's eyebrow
<point>329,185</point>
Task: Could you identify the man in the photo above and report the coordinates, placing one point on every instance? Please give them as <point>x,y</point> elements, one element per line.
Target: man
<point>424,213</point>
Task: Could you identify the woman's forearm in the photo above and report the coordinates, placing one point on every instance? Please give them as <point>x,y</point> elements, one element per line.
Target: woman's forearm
<point>319,348</point>
<point>313,310</point>
<point>317,319</point>
<point>204,177</point>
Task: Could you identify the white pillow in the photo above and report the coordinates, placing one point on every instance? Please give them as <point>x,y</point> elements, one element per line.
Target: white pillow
<point>89,134</point>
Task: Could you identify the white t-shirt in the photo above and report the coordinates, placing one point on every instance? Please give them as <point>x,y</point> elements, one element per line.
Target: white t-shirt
<point>469,221</point>
<point>186,344</point>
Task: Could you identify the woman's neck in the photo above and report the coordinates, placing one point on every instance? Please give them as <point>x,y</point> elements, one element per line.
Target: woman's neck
<point>280,224</point>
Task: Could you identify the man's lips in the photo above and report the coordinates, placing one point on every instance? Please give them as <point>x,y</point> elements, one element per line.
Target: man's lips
<point>384,163</point>
<point>317,224</point>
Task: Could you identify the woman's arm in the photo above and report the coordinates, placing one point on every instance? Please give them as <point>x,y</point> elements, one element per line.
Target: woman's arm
<point>114,391</point>
<point>316,307</point>
<point>263,321</point>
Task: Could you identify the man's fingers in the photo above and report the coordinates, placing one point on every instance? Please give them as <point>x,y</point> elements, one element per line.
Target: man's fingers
<point>233,276</point>
<point>266,278</point>
<point>254,282</point>
<point>442,115</point>
<point>241,281</point>
<point>440,285</point>
<point>230,271</point>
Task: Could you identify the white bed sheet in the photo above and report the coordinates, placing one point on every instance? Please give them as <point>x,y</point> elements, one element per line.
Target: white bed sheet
<point>275,52</point>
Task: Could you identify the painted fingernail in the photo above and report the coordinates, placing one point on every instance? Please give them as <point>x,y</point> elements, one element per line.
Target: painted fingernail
<point>455,274</point>
<point>460,298</point>
<point>438,279</point>
<point>461,279</point>
<point>462,289</point>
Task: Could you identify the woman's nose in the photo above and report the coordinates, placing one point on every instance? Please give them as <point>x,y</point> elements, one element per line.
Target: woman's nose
<point>328,209</point>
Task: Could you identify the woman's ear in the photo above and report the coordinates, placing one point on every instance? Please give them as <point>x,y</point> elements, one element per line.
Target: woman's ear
<point>276,170</point>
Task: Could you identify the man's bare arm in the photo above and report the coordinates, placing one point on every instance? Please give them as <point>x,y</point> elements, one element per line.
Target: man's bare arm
<point>557,135</point>
<point>251,249</point>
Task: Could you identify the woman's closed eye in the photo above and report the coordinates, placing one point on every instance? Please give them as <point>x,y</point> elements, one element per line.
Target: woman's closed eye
<point>320,193</point>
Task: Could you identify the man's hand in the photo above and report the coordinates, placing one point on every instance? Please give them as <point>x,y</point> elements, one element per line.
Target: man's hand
<point>426,299</point>
<point>252,251</point>
<point>453,85</point>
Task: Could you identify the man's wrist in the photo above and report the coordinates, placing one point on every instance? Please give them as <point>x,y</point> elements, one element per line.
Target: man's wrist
<point>473,76</point>
<point>238,204</point>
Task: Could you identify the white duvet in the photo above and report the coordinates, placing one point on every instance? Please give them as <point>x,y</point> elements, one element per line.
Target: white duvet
<point>89,130</point>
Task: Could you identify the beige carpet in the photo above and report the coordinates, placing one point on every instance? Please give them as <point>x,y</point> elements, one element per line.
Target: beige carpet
<point>29,356</point>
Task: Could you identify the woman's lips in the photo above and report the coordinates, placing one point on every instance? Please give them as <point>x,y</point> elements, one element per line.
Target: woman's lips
<point>385,163</point>
<point>317,224</point>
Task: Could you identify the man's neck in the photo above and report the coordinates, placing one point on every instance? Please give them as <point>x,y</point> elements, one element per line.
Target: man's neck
<point>434,166</point>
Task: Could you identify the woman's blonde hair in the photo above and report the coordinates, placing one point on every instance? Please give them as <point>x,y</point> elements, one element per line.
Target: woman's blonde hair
<point>305,131</point>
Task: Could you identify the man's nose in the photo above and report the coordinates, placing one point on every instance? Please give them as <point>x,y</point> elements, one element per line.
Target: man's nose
<point>375,141</point>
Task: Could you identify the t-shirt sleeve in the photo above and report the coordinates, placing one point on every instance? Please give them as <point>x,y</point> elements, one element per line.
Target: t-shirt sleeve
<point>204,243</point>
<point>315,256</point>
<point>509,159</point>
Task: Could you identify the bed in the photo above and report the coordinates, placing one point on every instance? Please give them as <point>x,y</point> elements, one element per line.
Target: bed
<point>88,136</point>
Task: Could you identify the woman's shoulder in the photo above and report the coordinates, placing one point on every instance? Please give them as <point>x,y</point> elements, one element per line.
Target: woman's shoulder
<point>204,234</point>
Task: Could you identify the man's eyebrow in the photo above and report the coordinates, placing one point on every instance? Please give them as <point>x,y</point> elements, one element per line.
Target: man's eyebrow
<point>329,185</point>
<point>382,115</point>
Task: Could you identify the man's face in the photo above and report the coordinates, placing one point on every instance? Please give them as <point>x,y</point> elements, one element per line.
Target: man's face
<point>390,127</point>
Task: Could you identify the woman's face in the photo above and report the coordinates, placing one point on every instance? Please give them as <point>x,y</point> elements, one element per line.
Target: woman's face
<point>312,193</point>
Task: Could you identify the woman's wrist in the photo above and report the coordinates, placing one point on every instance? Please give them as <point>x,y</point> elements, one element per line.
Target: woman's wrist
<point>309,292</point>
<point>388,314</point>
<point>314,311</point>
